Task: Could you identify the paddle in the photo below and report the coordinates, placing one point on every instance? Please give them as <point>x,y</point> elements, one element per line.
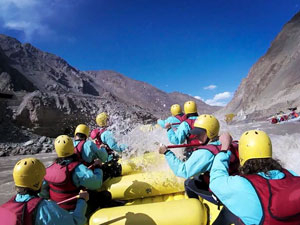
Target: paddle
<point>183,145</point>
<point>68,200</point>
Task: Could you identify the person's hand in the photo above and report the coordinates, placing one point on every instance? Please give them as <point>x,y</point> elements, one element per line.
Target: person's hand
<point>97,163</point>
<point>162,149</point>
<point>103,146</point>
<point>84,195</point>
<point>225,140</point>
<point>168,125</point>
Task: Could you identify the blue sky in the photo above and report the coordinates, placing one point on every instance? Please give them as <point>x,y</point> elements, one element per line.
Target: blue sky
<point>197,47</point>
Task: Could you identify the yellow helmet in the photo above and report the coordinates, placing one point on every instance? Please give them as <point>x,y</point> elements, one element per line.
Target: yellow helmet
<point>83,129</point>
<point>29,173</point>
<point>209,123</point>
<point>175,109</point>
<point>254,144</point>
<point>101,119</point>
<point>64,146</point>
<point>190,107</point>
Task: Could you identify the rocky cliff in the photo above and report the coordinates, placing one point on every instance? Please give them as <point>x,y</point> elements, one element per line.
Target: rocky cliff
<point>50,97</point>
<point>273,82</point>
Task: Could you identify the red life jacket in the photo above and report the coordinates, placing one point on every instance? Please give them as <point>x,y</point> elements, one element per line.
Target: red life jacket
<point>274,120</point>
<point>78,149</point>
<point>96,134</point>
<point>19,213</point>
<point>59,178</point>
<point>234,162</point>
<point>191,139</point>
<point>181,117</point>
<point>280,198</point>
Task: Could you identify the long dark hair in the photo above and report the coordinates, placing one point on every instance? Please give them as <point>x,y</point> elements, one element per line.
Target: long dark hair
<point>191,114</point>
<point>24,191</point>
<point>61,160</point>
<point>253,166</point>
<point>81,136</point>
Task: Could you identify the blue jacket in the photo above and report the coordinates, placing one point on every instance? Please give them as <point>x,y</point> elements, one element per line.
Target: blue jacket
<point>48,212</point>
<point>171,119</point>
<point>180,135</point>
<point>199,162</point>
<point>82,176</point>
<point>108,139</point>
<point>90,151</point>
<point>236,192</point>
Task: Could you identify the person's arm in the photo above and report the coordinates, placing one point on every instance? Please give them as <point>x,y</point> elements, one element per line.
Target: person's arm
<point>235,192</point>
<point>44,193</point>
<point>86,153</point>
<point>179,136</point>
<point>85,177</point>
<point>99,153</point>
<point>293,173</point>
<point>48,212</point>
<point>108,139</point>
<point>199,162</point>
<point>161,123</point>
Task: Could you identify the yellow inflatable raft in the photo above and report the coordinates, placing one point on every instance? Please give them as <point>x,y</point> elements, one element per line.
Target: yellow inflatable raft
<point>141,163</point>
<point>154,198</point>
<point>180,212</point>
<point>143,185</point>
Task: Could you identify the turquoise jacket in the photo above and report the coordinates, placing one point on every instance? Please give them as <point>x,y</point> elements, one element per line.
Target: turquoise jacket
<point>48,212</point>
<point>236,192</point>
<point>199,162</point>
<point>171,119</point>
<point>108,139</point>
<point>180,135</point>
<point>90,152</point>
<point>82,177</point>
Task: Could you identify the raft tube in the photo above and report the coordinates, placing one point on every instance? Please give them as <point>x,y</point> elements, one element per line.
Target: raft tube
<point>161,198</point>
<point>185,211</point>
<point>141,163</point>
<point>142,185</point>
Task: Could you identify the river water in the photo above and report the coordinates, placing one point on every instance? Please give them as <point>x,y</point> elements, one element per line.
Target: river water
<point>285,140</point>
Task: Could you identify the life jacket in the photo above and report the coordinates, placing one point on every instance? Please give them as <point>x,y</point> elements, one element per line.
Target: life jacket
<point>274,120</point>
<point>78,149</point>
<point>96,134</point>
<point>59,178</point>
<point>19,213</point>
<point>234,162</point>
<point>191,139</point>
<point>181,117</point>
<point>280,198</point>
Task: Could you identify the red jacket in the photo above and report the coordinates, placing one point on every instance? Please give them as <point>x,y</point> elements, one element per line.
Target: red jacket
<point>19,213</point>
<point>191,139</point>
<point>96,134</point>
<point>280,198</point>
<point>59,178</point>
<point>181,117</point>
<point>234,158</point>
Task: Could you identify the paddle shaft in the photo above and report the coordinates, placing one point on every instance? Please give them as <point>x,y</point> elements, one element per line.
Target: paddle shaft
<point>68,200</point>
<point>183,145</point>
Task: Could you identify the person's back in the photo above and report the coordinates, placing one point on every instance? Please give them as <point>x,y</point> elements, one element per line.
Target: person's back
<point>198,165</point>
<point>86,149</point>
<point>27,208</point>
<point>250,195</point>
<point>182,133</point>
<point>106,137</point>
<point>177,117</point>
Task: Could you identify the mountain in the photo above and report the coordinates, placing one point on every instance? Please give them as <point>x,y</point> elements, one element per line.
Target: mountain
<point>145,95</point>
<point>51,97</point>
<point>273,82</point>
